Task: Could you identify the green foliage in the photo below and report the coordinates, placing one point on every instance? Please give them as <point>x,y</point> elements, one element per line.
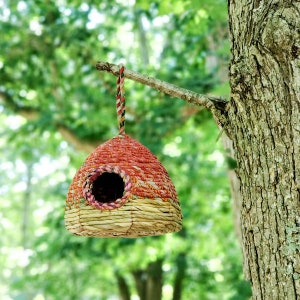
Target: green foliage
<point>49,83</point>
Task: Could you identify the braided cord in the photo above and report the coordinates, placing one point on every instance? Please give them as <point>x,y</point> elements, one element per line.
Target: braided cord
<point>120,100</point>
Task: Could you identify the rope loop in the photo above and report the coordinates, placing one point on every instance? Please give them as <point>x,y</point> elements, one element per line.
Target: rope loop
<point>120,100</point>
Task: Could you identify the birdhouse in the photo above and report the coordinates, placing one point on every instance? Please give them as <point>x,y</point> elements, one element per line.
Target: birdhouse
<point>122,190</point>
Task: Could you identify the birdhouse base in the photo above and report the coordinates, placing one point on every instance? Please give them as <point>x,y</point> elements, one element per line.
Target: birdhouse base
<point>138,217</point>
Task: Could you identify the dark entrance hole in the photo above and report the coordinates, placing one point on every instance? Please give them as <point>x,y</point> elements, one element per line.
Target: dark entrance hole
<point>108,187</point>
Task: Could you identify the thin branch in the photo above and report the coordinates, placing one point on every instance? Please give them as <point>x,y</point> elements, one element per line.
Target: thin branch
<point>78,144</point>
<point>25,111</point>
<point>32,114</point>
<point>210,102</point>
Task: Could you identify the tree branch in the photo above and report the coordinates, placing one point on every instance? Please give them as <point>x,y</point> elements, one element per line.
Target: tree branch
<point>32,114</point>
<point>212,103</point>
<point>78,144</point>
<point>26,112</point>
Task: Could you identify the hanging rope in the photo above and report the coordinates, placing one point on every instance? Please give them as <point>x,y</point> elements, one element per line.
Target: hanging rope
<point>120,100</point>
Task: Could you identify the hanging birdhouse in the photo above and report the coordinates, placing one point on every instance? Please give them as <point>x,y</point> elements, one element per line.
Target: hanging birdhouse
<point>122,190</point>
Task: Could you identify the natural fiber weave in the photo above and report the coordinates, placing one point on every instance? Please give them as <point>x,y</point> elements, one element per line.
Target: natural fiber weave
<point>148,204</point>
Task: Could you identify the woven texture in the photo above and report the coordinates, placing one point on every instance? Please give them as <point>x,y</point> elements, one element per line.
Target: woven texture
<point>147,205</point>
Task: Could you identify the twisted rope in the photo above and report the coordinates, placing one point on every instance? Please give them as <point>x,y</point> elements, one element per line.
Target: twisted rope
<point>120,100</point>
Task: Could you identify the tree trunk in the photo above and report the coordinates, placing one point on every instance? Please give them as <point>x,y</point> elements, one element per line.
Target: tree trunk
<point>26,207</point>
<point>26,222</point>
<point>140,283</point>
<point>123,287</point>
<point>264,115</point>
<point>180,275</point>
<point>149,282</point>
<point>155,280</point>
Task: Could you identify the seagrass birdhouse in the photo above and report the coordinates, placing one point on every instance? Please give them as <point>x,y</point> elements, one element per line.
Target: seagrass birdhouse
<point>122,190</point>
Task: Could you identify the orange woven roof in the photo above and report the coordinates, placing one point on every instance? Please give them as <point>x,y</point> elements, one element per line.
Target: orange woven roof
<point>149,178</point>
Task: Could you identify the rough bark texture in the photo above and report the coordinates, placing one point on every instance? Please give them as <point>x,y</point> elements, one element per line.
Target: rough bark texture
<point>264,125</point>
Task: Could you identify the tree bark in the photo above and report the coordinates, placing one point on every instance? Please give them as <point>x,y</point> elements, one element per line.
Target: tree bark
<point>181,265</point>
<point>140,283</point>
<point>123,287</point>
<point>155,280</point>
<point>264,114</point>
<point>149,282</point>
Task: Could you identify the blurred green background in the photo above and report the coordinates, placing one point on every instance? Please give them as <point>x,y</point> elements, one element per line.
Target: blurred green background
<point>56,108</point>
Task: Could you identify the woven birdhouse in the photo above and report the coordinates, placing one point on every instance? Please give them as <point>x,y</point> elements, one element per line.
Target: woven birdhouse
<point>122,190</point>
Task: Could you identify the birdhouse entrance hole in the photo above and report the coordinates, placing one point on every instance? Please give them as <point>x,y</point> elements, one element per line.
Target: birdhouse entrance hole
<point>108,187</point>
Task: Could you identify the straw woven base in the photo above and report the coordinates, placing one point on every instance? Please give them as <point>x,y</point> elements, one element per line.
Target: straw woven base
<point>138,217</point>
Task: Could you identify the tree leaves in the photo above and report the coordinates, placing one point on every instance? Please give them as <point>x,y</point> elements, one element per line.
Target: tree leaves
<point>48,76</point>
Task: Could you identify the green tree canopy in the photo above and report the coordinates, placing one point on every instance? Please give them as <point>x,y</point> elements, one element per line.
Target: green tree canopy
<point>56,108</point>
